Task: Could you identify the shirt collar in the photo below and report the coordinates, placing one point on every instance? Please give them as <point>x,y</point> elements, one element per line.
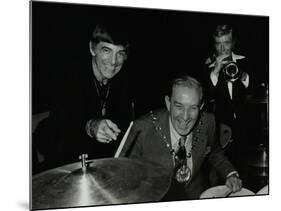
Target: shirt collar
<point>175,136</point>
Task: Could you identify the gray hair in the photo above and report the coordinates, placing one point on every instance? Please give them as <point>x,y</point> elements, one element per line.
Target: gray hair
<point>187,81</point>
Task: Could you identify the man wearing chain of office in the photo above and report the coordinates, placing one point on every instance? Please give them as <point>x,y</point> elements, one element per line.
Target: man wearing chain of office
<point>181,138</point>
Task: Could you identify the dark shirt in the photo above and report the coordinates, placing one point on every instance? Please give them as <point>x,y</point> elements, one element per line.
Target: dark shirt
<point>62,137</point>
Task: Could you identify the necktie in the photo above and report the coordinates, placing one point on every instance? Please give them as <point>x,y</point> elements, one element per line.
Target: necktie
<point>183,173</point>
<point>181,151</point>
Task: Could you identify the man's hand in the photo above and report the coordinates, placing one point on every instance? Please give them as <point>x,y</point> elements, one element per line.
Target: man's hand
<point>244,77</point>
<point>234,183</point>
<point>105,130</point>
<point>220,62</point>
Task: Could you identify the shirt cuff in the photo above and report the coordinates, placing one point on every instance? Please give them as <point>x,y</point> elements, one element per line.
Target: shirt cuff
<point>88,128</point>
<point>214,78</point>
<point>246,81</point>
<point>232,173</point>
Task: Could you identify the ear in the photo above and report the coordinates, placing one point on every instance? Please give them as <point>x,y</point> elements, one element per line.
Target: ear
<point>167,102</point>
<point>92,48</point>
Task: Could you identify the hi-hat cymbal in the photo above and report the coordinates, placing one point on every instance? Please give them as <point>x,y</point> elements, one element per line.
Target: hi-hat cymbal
<point>104,182</point>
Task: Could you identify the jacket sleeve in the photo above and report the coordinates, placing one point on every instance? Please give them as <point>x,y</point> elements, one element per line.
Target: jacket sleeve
<point>217,157</point>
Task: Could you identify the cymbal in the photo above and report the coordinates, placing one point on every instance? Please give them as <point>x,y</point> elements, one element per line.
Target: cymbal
<point>263,191</point>
<point>103,182</point>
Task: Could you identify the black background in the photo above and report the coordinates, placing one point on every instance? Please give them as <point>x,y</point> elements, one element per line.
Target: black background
<point>163,43</point>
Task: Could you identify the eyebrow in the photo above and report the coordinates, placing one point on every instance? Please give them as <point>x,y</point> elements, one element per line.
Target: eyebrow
<point>105,47</point>
<point>123,50</point>
<point>178,103</point>
<point>120,51</point>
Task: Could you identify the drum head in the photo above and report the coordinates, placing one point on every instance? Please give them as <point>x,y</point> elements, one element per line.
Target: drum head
<point>263,191</point>
<point>222,191</point>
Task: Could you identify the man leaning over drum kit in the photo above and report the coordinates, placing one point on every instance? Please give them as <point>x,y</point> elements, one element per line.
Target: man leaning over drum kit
<point>181,138</point>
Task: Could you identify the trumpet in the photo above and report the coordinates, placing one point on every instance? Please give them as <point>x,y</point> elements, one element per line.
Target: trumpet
<point>231,70</point>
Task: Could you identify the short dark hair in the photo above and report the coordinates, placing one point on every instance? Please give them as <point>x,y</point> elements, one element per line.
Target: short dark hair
<point>110,33</point>
<point>223,29</point>
<point>187,81</point>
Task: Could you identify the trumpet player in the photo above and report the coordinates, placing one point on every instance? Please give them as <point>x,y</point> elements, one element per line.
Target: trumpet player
<point>226,83</point>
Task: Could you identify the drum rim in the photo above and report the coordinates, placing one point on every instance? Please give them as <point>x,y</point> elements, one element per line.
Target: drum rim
<point>224,186</point>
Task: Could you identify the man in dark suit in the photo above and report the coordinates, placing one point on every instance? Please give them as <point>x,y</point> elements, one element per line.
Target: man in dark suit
<point>181,138</point>
<point>93,105</point>
<point>226,82</point>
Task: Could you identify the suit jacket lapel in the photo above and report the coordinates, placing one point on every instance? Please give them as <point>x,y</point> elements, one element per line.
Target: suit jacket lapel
<point>166,126</point>
<point>199,140</point>
<point>164,130</point>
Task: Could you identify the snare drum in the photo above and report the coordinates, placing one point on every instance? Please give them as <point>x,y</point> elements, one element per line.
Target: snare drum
<point>223,191</point>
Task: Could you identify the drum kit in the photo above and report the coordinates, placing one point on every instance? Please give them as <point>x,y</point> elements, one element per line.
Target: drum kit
<point>108,181</point>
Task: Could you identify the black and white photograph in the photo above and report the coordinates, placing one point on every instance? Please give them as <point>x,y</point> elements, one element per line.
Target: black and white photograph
<point>134,105</point>
<point>198,126</point>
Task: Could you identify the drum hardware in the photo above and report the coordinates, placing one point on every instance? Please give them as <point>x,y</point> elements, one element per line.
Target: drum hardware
<point>84,162</point>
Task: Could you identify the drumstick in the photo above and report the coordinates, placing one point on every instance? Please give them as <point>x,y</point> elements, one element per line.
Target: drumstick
<point>122,143</point>
<point>226,193</point>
